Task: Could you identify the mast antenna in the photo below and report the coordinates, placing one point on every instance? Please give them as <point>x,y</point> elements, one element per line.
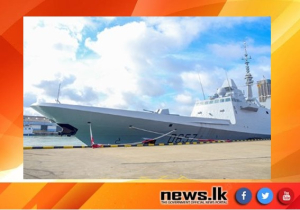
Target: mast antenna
<point>58,94</point>
<point>201,86</point>
<point>248,76</point>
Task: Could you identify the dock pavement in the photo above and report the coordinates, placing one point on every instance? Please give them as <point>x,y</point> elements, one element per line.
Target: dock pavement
<point>235,160</point>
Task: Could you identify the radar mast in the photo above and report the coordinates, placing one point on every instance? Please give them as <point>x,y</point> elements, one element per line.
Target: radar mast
<point>248,76</point>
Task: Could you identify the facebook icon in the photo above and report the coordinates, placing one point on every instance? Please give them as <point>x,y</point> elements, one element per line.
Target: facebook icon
<point>243,196</point>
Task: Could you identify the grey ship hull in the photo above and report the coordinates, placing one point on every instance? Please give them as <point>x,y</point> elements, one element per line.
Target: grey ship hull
<point>113,126</point>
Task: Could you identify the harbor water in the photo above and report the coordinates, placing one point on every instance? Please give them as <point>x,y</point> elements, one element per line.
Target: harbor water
<point>51,141</point>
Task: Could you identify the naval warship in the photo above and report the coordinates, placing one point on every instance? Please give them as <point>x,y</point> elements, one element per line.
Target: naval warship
<point>227,115</point>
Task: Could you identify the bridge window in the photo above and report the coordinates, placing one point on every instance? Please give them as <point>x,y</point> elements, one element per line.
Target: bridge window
<point>227,99</point>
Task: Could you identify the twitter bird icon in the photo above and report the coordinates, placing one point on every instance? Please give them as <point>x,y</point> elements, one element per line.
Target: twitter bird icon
<point>264,195</point>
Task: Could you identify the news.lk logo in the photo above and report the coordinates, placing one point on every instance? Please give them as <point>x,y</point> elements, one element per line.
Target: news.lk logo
<point>217,196</point>
<point>285,196</point>
<point>243,196</point>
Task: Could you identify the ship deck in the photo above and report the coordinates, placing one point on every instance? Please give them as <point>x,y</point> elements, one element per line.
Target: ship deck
<point>236,160</point>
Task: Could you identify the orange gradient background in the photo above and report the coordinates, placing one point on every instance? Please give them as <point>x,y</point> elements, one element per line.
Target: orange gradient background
<point>285,146</point>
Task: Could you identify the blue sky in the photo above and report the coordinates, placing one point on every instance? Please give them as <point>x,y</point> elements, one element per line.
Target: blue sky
<point>139,63</point>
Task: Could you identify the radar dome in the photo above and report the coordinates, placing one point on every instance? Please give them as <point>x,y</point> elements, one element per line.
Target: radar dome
<point>221,91</point>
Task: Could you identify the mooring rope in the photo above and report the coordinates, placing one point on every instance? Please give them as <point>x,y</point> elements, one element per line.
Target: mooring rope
<point>149,131</point>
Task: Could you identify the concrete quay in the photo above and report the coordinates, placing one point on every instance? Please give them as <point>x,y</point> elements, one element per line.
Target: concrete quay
<point>235,160</point>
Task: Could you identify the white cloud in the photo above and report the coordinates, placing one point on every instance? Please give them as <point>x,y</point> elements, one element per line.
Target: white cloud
<point>177,32</point>
<point>50,46</point>
<point>139,63</point>
<point>109,18</point>
<point>184,99</point>
<point>143,41</point>
<point>52,37</point>
<point>130,53</point>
